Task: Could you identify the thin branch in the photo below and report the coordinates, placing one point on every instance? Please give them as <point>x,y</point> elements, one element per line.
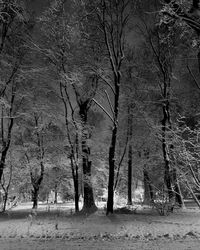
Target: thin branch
<point>2,92</point>
<point>193,77</point>
<point>111,87</point>
<point>109,101</point>
<point>107,41</point>
<point>101,107</point>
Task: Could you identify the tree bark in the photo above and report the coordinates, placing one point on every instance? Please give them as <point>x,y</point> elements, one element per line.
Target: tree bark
<point>177,190</point>
<point>56,195</point>
<point>167,176</point>
<point>111,172</point>
<point>88,199</point>
<point>129,202</point>
<point>36,182</point>
<point>76,183</point>
<point>5,201</point>
<point>148,189</point>
<point>7,143</point>
<point>112,150</point>
<point>130,152</point>
<point>2,162</point>
<point>35,193</point>
<point>76,195</point>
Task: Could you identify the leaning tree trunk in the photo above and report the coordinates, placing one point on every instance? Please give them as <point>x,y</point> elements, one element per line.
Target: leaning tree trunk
<point>88,199</point>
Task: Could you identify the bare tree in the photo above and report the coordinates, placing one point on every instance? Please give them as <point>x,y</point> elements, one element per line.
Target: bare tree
<point>113,18</point>
<point>161,40</point>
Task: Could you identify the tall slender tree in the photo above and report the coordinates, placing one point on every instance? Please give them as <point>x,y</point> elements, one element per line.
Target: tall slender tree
<point>113,17</point>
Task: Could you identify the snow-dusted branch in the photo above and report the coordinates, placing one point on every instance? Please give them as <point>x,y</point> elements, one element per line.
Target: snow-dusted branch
<point>109,101</point>
<point>106,112</point>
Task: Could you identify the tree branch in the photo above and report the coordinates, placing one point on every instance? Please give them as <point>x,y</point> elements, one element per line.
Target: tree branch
<point>109,101</point>
<point>193,77</point>
<point>101,107</point>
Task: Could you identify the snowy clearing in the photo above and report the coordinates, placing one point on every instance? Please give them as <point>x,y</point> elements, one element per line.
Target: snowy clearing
<point>59,229</point>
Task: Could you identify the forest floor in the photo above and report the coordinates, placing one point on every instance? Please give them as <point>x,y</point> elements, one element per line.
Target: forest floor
<point>56,227</point>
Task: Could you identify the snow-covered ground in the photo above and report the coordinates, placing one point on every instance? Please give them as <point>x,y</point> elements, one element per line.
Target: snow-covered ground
<point>57,228</point>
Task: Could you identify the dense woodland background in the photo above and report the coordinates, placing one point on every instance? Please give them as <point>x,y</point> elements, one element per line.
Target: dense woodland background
<point>99,97</point>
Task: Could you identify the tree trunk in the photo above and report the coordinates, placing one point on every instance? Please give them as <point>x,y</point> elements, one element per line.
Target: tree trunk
<point>3,159</point>
<point>178,195</point>
<point>129,175</point>
<point>76,184</point>
<point>112,149</point>
<point>110,200</point>
<point>6,144</point>
<point>177,189</point>
<point>113,20</point>
<point>5,201</point>
<point>193,194</point>
<point>36,182</point>
<point>167,176</point>
<point>148,189</point>
<point>76,195</point>
<point>35,193</point>
<point>56,195</point>
<point>88,199</point>
<point>130,152</point>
